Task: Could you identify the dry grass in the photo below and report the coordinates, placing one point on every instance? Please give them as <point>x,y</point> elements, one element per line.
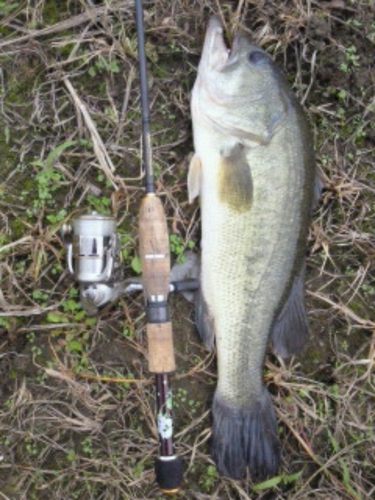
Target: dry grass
<point>71,425</point>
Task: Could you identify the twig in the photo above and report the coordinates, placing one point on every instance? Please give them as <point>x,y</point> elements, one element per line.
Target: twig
<point>364,323</point>
<point>101,152</point>
<point>26,311</point>
<point>91,15</point>
<point>21,241</point>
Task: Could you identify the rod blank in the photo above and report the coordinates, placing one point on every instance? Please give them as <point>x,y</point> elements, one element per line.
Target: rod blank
<point>146,132</point>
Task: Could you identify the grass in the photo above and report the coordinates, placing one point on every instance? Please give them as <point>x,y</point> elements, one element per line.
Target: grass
<point>76,399</point>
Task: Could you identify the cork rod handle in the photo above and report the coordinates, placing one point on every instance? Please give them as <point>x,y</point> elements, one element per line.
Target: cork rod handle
<point>155,260</point>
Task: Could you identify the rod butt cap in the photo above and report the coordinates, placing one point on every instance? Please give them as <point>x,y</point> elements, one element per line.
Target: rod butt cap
<point>169,471</point>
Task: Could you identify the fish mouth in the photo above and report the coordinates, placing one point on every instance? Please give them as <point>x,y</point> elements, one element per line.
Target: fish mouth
<point>216,54</point>
<point>215,51</point>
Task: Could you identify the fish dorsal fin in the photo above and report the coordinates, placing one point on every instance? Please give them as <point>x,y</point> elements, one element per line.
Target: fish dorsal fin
<point>234,180</point>
<point>194,178</point>
<point>290,330</point>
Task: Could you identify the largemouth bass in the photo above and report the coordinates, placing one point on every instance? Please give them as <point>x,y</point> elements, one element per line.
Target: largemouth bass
<point>254,172</point>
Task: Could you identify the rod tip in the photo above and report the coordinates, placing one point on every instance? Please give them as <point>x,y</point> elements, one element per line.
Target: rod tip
<point>169,472</point>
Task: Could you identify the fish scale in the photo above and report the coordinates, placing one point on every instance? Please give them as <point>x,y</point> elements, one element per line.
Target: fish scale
<point>254,172</point>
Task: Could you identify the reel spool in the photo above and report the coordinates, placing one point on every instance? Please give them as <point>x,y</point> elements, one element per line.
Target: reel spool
<point>92,247</point>
<point>93,258</point>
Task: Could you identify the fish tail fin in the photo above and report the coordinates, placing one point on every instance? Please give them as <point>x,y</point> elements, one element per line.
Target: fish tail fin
<point>245,438</point>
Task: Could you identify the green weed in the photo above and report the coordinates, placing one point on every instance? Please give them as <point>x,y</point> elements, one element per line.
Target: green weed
<point>178,246</point>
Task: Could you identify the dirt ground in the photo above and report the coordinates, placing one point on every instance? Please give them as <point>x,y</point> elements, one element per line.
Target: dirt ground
<point>71,424</point>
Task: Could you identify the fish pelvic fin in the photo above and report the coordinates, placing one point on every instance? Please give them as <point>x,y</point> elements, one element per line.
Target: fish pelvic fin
<point>290,330</point>
<point>194,178</point>
<point>204,321</point>
<point>245,438</point>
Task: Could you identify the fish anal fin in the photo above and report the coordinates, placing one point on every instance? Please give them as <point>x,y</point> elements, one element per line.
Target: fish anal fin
<point>194,178</point>
<point>290,330</point>
<point>204,321</point>
<point>234,180</point>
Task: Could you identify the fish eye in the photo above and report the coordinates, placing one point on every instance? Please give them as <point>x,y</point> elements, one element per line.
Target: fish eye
<point>257,57</point>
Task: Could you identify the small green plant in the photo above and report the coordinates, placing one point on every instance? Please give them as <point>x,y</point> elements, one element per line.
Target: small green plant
<point>72,458</point>
<point>208,480</point>
<point>31,447</point>
<point>136,265</point>
<point>178,246</point>
<point>4,322</point>
<point>346,479</point>
<point>4,238</point>
<point>180,396</point>
<point>351,59</point>
<point>57,268</point>
<point>48,181</point>
<point>181,400</point>
<point>6,7</point>
<point>128,332</point>
<point>57,217</point>
<point>101,205</point>
<point>87,447</point>
<point>76,346</point>
<point>36,350</point>
<point>368,290</point>
<point>274,481</point>
<point>73,305</point>
<point>353,22</point>
<point>56,317</point>
<point>102,65</point>
<point>137,467</point>
<point>40,297</point>
<point>127,247</point>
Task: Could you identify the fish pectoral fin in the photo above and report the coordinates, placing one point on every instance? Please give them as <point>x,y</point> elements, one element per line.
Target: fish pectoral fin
<point>204,321</point>
<point>290,330</point>
<point>194,178</point>
<point>234,180</point>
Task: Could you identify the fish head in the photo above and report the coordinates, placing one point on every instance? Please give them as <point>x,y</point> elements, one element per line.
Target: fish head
<point>238,90</point>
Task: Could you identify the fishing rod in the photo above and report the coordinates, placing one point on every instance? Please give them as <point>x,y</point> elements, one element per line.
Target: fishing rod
<point>93,256</point>
<point>155,262</point>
